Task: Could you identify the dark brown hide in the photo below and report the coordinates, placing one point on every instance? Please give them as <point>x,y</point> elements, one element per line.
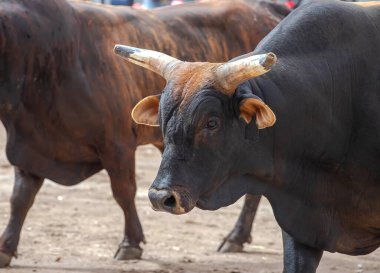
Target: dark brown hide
<point>65,98</point>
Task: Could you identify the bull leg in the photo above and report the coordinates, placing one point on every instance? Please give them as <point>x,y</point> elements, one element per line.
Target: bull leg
<point>299,258</point>
<point>25,189</point>
<point>241,232</point>
<point>123,185</point>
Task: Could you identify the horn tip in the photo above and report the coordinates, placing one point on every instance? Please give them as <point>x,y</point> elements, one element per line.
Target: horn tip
<point>123,50</point>
<point>268,60</point>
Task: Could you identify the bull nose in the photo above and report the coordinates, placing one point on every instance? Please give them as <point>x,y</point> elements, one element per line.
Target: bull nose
<point>164,200</point>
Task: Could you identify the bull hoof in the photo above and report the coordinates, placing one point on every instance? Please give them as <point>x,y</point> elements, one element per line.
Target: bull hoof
<point>5,259</point>
<point>127,252</point>
<point>230,247</point>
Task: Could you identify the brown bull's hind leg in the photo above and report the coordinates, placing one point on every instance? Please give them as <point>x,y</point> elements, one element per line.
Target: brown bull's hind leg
<point>123,185</point>
<point>241,232</point>
<point>25,189</point>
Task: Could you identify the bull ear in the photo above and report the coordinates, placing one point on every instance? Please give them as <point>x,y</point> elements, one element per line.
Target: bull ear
<point>255,106</point>
<point>146,111</point>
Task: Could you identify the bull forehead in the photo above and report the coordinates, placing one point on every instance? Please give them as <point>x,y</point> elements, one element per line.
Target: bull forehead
<point>190,79</point>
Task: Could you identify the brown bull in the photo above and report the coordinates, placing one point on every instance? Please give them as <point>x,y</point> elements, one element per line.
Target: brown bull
<point>64,95</point>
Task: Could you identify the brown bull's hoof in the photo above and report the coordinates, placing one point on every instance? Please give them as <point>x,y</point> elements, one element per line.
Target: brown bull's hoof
<point>5,259</point>
<point>228,246</point>
<point>127,252</point>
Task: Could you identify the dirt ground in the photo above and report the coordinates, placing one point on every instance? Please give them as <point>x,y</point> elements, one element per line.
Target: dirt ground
<point>77,230</point>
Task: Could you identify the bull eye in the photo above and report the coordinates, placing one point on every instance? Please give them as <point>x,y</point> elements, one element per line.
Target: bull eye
<point>212,123</point>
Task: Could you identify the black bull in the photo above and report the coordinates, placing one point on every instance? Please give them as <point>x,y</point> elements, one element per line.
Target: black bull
<point>64,95</point>
<point>318,164</point>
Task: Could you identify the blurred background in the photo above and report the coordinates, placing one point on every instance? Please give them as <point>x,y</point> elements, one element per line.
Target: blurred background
<point>150,4</point>
<point>145,4</point>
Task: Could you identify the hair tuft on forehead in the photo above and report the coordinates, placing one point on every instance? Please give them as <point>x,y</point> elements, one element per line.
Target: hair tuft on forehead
<point>190,79</point>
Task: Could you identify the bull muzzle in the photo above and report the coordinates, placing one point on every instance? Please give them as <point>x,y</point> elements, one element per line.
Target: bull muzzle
<point>169,201</point>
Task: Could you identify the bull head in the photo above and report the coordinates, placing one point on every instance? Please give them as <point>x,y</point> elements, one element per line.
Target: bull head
<point>225,77</point>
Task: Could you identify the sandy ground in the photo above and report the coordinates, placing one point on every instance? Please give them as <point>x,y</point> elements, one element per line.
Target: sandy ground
<point>77,230</point>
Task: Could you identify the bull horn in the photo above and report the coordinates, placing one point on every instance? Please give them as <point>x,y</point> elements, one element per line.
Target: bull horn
<point>155,61</point>
<point>230,75</point>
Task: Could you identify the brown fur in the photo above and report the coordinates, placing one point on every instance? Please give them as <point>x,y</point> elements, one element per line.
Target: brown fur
<point>190,78</point>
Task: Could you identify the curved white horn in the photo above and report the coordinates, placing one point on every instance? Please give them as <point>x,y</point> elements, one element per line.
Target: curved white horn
<point>230,75</point>
<point>155,61</point>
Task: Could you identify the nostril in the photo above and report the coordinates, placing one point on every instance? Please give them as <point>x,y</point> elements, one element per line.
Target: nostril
<point>170,202</point>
